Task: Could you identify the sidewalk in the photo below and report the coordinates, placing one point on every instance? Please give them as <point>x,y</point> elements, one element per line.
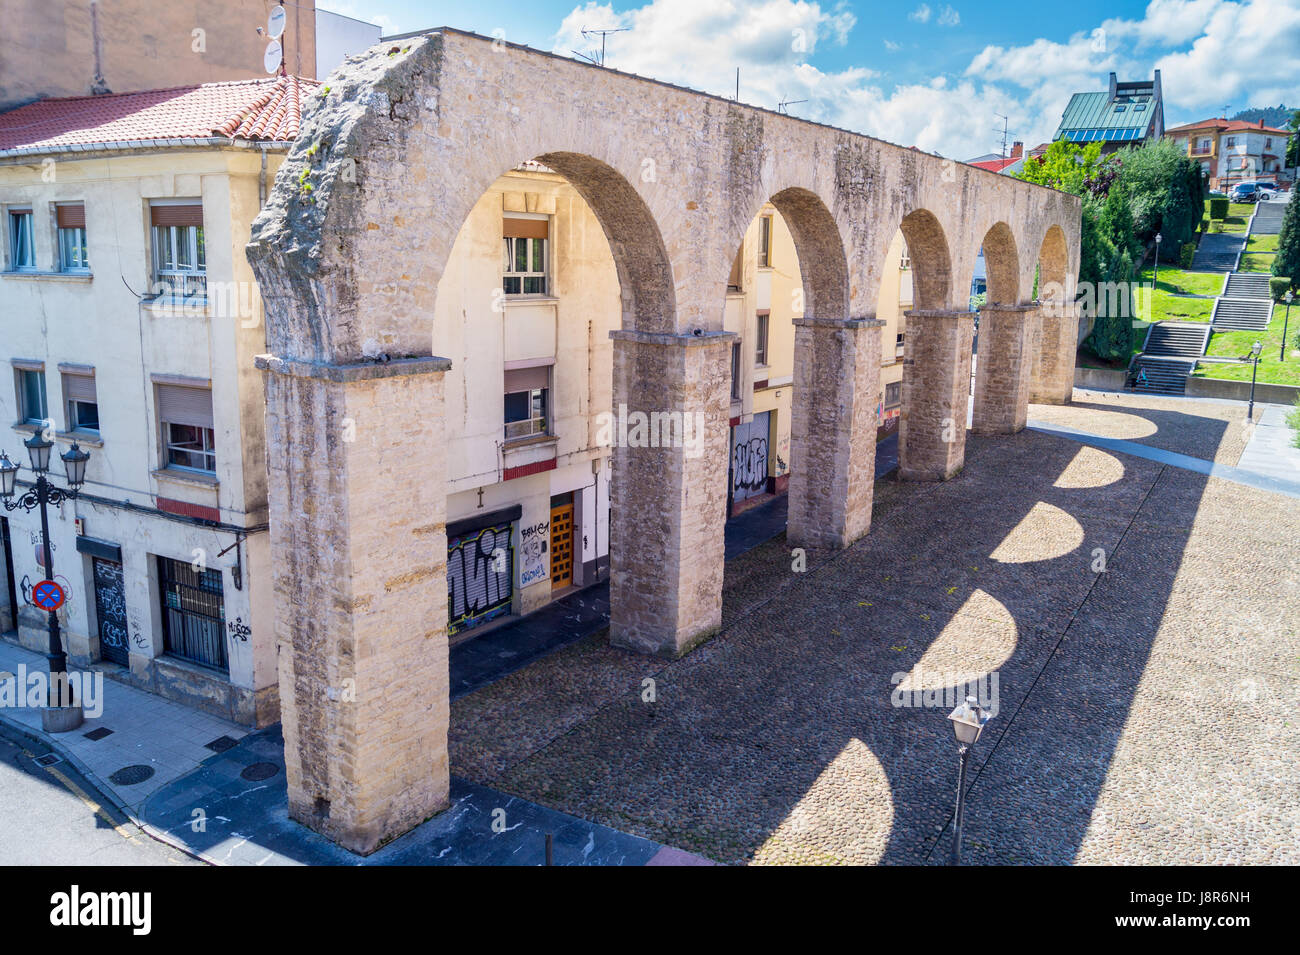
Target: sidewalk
<point>1270,450</point>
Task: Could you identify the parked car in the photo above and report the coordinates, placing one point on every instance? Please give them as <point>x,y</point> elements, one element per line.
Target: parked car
<point>1252,191</point>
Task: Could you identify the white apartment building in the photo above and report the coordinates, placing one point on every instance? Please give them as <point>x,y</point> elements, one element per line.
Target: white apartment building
<point>1232,150</point>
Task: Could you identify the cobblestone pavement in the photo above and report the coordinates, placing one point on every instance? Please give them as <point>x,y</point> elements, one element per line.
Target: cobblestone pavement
<point>1145,712</point>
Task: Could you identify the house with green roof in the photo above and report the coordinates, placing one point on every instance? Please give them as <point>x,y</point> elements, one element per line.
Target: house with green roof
<point>1126,114</point>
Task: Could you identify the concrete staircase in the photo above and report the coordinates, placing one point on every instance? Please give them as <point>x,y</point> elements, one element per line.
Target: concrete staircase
<point>1236,314</point>
<point>1176,340</point>
<point>1268,217</point>
<point>1161,375</point>
<point>1218,252</point>
<point>1247,285</point>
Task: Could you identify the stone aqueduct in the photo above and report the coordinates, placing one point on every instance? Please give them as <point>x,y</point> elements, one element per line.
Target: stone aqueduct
<point>349,252</point>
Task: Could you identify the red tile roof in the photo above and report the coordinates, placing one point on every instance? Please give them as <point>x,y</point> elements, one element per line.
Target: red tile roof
<point>262,109</point>
<point>996,165</point>
<point>1228,125</point>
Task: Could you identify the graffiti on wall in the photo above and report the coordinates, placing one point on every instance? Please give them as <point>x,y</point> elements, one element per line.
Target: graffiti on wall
<point>480,572</point>
<point>533,547</point>
<point>749,465</point>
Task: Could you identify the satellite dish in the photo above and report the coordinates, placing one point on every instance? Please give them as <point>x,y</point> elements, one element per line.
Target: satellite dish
<point>273,57</point>
<point>275,22</point>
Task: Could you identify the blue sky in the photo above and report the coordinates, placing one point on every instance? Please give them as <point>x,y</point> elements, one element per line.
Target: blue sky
<point>931,74</point>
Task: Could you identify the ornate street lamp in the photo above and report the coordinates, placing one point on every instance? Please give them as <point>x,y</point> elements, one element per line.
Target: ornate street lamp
<point>62,712</point>
<point>1156,279</point>
<point>967,723</point>
<point>1253,357</point>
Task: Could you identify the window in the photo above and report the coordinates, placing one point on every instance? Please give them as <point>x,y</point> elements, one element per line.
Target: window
<point>760,349</point>
<point>765,242</point>
<point>735,372</point>
<point>31,396</point>
<point>22,246</point>
<point>524,263</point>
<point>188,438</point>
<point>179,257</point>
<point>73,254</point>
<point>79,393</point>
<point>525,402</point>
<point>1232,141</point>
<point>893,394</point>
<point>737,272</point>
<point>193,612</point>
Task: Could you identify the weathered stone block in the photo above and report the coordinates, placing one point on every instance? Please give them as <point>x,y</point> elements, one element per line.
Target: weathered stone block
<point>1003,368</point>
<point>936,393</point>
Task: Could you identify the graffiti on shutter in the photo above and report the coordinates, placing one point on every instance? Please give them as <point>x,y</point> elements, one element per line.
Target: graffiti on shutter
<point>480,577</point>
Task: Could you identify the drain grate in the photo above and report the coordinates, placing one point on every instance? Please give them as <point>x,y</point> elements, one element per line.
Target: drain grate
<point>98,734</point>
<point>259,771</point>
<point>131,775</point>
<point>49,759</point>
<point>220,744</point>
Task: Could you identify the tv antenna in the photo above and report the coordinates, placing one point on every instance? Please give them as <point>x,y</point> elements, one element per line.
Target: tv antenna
<point>1005,127</point>
<point>587,34</point>
<point>781,106</point>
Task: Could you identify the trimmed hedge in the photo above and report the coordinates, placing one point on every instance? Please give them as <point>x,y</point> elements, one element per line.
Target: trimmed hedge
<point>1219,208</point>
<point>1278,287</point>
<point>1186,254</point>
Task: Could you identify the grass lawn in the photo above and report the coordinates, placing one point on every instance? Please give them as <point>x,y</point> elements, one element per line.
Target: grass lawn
<point>1261,243</point>
<point>1257,262</point>
<point>1236,344</point>
<point>1188,283</point>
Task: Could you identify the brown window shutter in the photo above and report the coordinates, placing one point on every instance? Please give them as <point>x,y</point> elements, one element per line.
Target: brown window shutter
<point>737,267</point>
<point>525,228</point>
<point>72,217</point>
<point>177,215</point>
<point>526,379</point>
<point>179,405</point>
<point>78,387</point>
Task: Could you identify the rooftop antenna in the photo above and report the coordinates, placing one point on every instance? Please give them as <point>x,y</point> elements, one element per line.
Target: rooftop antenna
<point>602,34</point>
<point>273,58</point>
<point>1005,123</point>
<point>781,106</point>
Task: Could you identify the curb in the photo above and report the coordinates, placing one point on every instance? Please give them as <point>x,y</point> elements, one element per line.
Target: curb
<point>103,790</point>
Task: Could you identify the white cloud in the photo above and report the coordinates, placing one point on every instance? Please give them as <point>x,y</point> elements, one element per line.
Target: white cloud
<point>893,47</point>
<point>921,14</point>
<point>949,17</point>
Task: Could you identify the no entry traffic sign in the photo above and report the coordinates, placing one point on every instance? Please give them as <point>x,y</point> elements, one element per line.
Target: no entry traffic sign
<point>48,595</point>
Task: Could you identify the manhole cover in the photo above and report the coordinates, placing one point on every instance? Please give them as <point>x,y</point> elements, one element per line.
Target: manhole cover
<point>98,734</point>
<point>131,775</point>
<point>220,744</point>
<point>259,771</point>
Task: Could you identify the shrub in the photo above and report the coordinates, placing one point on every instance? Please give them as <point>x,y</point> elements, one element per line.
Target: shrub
<point>1219,208</point>
<point>1186,254</point>
<point>1216,227</point>
<point>1277,286</point>
<point>1205,225</point>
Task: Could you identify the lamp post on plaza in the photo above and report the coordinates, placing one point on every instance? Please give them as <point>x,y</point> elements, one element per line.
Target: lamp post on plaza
<point>1156,278</point>
<point>1253,357</point>
<point>1286,320</point>
<point>967,722</point>
<point>62,713</point>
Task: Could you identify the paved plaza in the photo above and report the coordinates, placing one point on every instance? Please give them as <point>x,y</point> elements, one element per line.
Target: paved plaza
<point>1141,620</point>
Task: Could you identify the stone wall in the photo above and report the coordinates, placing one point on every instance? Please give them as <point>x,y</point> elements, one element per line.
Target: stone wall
<point>936,392</point>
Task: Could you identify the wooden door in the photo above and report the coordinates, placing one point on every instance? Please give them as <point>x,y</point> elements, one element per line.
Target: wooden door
<point>561,546</point>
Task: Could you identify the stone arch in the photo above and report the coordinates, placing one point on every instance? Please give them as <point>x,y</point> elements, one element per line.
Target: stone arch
<point>1054,265</point>
<point>823,266</point>
<point>1002,265</point>
<point>931,262</point>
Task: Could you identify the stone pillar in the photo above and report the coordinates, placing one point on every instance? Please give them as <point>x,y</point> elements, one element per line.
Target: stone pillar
<point>669,490</point>
<point>1004,368</point>
<point>1058,343</point>
<point>936,394</point>
<point>359,564</point>
<point>833,430</point>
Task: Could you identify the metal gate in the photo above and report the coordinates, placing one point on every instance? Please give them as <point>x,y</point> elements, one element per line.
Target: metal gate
<point>110,608</point>
<point>749,458</point>
<point>10,582</point>
<point>194,613</point>
<point>480,576</point>
<point>561,546</point>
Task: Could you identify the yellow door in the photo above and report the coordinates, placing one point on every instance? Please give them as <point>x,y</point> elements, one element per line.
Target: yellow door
<point>561,546</point>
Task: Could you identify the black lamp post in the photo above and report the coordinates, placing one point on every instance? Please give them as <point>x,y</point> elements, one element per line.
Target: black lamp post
<point>967,722</point>
<point>63,713</point>
<point>1286,321</point>
<point>1155,281</point>
<point>1253,357</point>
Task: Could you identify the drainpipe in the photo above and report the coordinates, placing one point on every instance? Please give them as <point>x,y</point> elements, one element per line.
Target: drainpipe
<point>261,183</point>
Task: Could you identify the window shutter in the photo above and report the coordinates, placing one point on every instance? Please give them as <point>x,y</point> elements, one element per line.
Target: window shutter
<point>177,215</point>
<point>526,379</point>
<point>78,387</point>
<point>736,269</point>
<point>525,228</point>
<point>179,405</point>
<point>71,216</point>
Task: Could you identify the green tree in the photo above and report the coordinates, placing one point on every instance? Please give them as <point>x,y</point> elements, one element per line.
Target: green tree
<point>1287,261</point>
<point>1064,166</point>
<point>1293,144</point>
<point>1116,221</point>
